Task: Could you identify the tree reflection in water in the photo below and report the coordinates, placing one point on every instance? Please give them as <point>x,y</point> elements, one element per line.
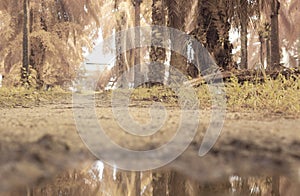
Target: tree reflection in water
<point>104,180</point>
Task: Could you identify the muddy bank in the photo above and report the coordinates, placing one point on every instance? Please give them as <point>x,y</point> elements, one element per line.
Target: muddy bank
<point>39,142</point>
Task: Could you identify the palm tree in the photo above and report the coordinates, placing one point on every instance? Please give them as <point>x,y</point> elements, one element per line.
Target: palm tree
<point>176,16</point>
<point>275,186</point>
<point>160,182</point>
<point>240,12</point>
<point>11,39</point>
<point>244,33</point>
<point>269,12</point>
<point>275,51</point>
<point>120,58</point>
<point>182,15</point>
<point>157,54</point>
<point>213,30</point>
<point>48,32</point>
<point>25,64</point>
<point>137,56</point>
<point>196,17</point>
<point>177,184</point>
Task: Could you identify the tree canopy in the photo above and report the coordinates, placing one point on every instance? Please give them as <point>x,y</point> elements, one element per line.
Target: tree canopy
<point>61,31</point>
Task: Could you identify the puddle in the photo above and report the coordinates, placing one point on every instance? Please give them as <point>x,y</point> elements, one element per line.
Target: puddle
<point>99,179</point>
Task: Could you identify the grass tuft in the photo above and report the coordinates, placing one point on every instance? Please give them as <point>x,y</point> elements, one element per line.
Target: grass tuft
<point>280,95</point>
<point>23,97</point>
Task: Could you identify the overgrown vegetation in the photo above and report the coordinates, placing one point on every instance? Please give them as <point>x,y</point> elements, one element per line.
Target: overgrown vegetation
<point>275,96</point>
<point>24,97</point>
<point>281,95</point>
<point>272,96</point>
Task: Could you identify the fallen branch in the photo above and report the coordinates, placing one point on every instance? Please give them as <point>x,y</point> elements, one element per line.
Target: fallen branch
<point>244,75</point>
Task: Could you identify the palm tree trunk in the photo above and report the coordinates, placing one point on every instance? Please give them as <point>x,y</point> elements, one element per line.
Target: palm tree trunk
<point>137,183</point>
<point>176,21</point>
<point>244,33</point>
<point>244,51</point>
<point>157,54</point>
<point>137,59</point>
<point>245,189</point>
<point>261,50</point>
<point>137,73</point>
<point>25,64</point>
<point>159,183</point>
<point>268,49</point>
<point>275,185</point>
<point>275,51</point>
<point>120,58</point>
<point>176,184</point>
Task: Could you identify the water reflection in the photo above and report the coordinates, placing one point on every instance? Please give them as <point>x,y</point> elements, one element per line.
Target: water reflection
<point>107,181</point>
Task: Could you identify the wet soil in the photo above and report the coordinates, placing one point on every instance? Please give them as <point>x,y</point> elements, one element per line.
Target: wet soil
<point>39,142</point>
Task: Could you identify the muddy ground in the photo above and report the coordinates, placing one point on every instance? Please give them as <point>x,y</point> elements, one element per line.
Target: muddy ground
<point>38,142</point>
